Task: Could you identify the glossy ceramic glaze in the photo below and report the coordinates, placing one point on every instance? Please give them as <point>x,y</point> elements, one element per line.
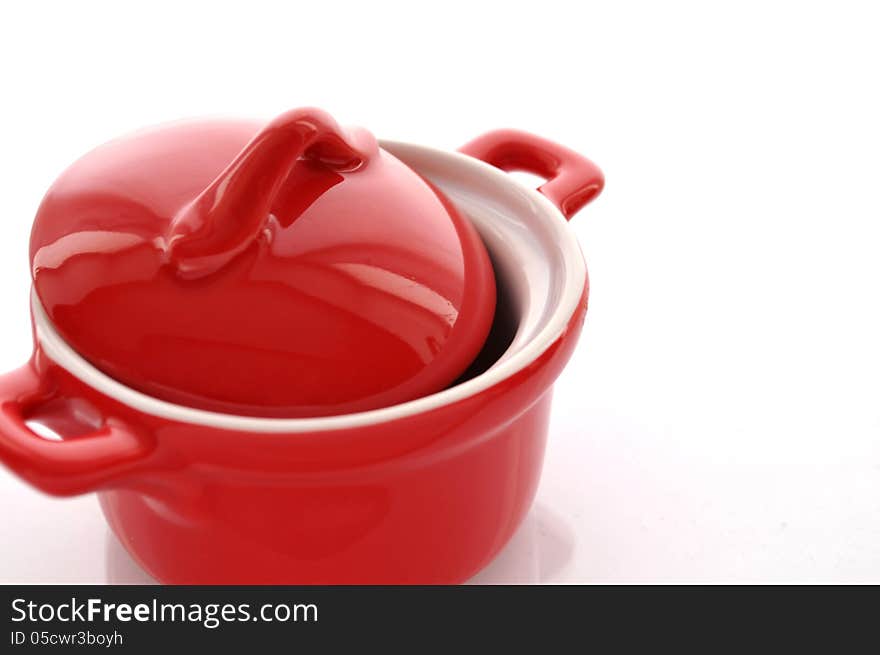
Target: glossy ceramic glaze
<point>422,492</point>
<point>293,269</point>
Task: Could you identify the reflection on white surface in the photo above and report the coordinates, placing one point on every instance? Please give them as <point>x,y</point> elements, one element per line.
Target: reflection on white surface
<point>120,567</point>
<point>538,551</point>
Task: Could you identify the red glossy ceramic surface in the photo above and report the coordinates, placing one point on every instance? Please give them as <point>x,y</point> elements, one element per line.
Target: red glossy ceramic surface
<point>293,269</point>
<point>425,492</point>
<point>572,180</point>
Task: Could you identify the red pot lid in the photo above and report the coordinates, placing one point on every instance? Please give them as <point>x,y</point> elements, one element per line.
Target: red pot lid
<point>294,270</point>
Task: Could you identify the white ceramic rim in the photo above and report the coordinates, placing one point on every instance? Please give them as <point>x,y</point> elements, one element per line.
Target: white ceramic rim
<point>57,349</point>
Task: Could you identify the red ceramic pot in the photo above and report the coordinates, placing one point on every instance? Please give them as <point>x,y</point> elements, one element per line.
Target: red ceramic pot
<point>426,491</point>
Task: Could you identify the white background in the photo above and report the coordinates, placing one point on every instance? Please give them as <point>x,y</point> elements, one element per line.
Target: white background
<point>720,420</point>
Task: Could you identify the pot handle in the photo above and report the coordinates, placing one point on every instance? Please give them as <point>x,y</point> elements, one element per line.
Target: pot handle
<point>71,466</point>
<point>231,212</point>
<point>572,179</point>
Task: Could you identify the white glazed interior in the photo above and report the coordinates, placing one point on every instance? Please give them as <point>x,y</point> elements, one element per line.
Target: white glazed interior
<point>532,248</point>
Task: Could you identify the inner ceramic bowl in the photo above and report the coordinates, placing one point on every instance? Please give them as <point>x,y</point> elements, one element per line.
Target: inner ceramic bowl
<point>540,275</point>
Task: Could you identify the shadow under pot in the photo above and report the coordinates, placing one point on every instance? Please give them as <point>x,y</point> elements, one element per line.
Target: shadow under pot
<point>427,490</point>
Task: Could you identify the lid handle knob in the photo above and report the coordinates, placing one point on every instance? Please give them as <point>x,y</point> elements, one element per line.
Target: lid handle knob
<point>229,214</point>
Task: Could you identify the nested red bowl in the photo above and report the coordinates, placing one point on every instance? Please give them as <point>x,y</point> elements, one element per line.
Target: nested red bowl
<point>426,491</point>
